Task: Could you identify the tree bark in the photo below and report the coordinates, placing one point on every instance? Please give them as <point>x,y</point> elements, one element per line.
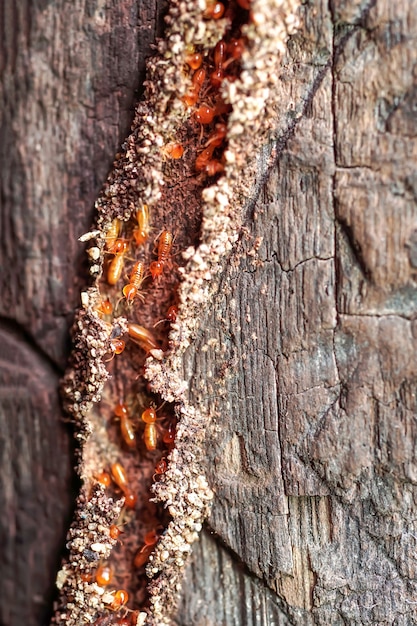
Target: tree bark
<point>312,453</point>
<point>70,73</point>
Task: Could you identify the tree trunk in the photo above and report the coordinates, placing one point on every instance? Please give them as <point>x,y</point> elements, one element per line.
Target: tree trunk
<point>70,73</point>
<point>312,451</point>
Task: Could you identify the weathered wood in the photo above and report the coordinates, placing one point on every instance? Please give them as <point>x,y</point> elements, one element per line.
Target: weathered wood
<point>70,75</point>
<point>307,357</point>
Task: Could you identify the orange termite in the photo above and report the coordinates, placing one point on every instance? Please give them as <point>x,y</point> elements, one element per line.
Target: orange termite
<point>173,150</point>
<point>115,532</point>
<point>150,434</point>
<point>214,167</point>
<point>126,426</point>
<point>120,598</point>
<point>217,76</point>
<point>204,114</point>
<point>151,538</point>
<point>136,278</point>
<point>235,49</point>
<point>113,233</point>
<point>103,478</point>
<point>169,435</point>
<point>115,268</point>
<point>142,556</point>
<point>150,437</point>
<point>216,138</point>
<point>203,158</point>
<point>118,473</point>
<point>149,416</point>
<point>130,500</point>
<point>105,307</point>
<point>194,60</point>
<point>191,98</point>
<point>120,245</point>
<point>117,346</point>
<point>104,575</point>
<point>141,232</point>
<point>160,467</point>
<point>214,10</point>
<point>164,249</point>
<point>171,315</point>
<point>143,337</point>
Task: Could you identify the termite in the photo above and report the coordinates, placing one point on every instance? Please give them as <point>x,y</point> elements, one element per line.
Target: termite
<point>115,268</point>
<point>193,59</point>
<point>115,532</point>
<point>136,278</point>
<point>235,49</point>
<point>105,307</point>
<point>214,10</point>
<point>120,245</point>
<point>126,426</point>
<point>217,76</point>
<point>141,232</point>
<point>164,249</point>
<point>118,473</point>
<point>104,575</point>
<point>113,233</point>
<point>143,337</point>
<point>150,434</point>
<point>169,436</point>
<point>150,540</point>
<point>117,346</point>
<point>216,138</point>
<point>171,315</point>
<point>204,114</point>
<point>160,468</point>
<point>191,98</point>
<point>173,150</point>
<point>103,478</point>
<point>119,599</point>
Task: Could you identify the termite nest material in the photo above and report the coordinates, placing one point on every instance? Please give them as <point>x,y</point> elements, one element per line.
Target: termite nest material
<point>167,218</point>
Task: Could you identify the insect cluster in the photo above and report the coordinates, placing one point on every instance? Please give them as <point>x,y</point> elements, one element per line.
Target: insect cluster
<point>168,214</point>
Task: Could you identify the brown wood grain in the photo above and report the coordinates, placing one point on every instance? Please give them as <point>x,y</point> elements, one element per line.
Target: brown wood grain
<point>306,358</point>
<point>70,75</point>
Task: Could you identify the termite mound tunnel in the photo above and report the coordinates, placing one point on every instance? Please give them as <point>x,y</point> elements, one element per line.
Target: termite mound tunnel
<point>167,217</point>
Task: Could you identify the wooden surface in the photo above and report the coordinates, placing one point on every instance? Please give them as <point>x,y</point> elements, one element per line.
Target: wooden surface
<point>312,452</point>
<point>70,77</point>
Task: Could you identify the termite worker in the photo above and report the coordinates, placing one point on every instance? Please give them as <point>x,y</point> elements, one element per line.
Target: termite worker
<point>136,278</point>
<point>150,540</point>
<point>104,575</point>
<point>126,426</point>
<point>214,10</point>
<point>118,473</point>
<point>143,337</point>
<point>113,233</point>
<point>116,599</point>
<point>173,150</point>
<point>150,434</point>
<point>164,249</point>
<point>115,269</point>
<point>141,231</point>
<point>171,315</point>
